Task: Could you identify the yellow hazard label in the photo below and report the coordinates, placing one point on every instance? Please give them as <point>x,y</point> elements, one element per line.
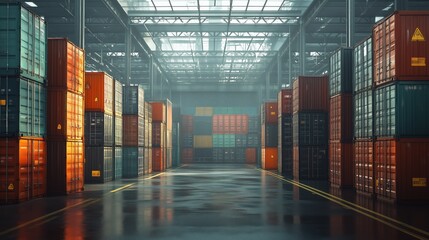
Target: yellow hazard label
<point>11,187</point>
<point>272,113</point>
<point>59,126</point>
<point>418,62</point>
<point>96,173</point>
<point>419,182</point>
<point>2,102</point>
<point>417,36</point>
<point>96,99</point>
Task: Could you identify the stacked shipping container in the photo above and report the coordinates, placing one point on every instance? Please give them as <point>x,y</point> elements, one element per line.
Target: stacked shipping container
<point>285,144</point>
<point>269,136</point>
<point>340,121</point>
<point>148,138</point>
<point>160,135</point>
<point>22,104</point>
<point>117,130</point>
<point>310,127</point>
<point>65,121</point>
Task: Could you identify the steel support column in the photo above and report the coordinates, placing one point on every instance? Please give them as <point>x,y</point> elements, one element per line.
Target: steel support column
<point>79,23</point>
<point>279,71</point>
<point>290,60</point>
<point>267,85</point>
<point>350,22</point>
<point>128,46</point>
<point>151,77</point>
<point>301,47</point>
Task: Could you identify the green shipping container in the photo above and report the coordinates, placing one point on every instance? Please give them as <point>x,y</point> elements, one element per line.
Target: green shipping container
<point>23,43</point>
<point>402,110</point>
<point>22,107</point>
<point>223,140</point>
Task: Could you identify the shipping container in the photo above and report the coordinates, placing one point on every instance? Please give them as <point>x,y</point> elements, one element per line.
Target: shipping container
<point>22,107</point>
<point>133,100</point>
<point>224,140</point>
<point>133,133</point>
<point>203,141</point>
<point>65,115</point>
<point>187,141</point>
<point>132,162</point>
<point>362,79</point>
<point>204,111</point>
<point>117,163</point>
<point>341,117</point>
<point>227,124</point>
<point>253,140</point>
<point>98,164</point>
<point>118,98</point>
<point>341,71</point>
<point>363,158</point>
<point>203,155</point>
<point>253,125</point>
<point>118,121</point>
<point>269,112</point>
<point>269,135</point>
<point>402,169</point>
<point>218,154</point>
<point>310,128</point>
<point>401,110</point>
<point>285,160</point>
<point>65,167</point>
<point>99,92</point>
<point>285,130</point>
<point>202,125</point>
<point>187,155</point>
<point>169,114</point>
<point>66,63</point>
<point>22,169</point>
<point>400,48</point>
<point>147,160</point>
<point>159,112</point>
<point>24,43</point>
<point>158,134</point>
<point>310,94</point>
<point>240,140</point>
<point>98,129</point>
<point>284,101</point>
<point>363,114</point>
<point>251,155</point>
<point>169,156</point>
<point>235,110</point>
<point>310,162</point>
<point>186,124</point>
<point>158,164</point>
<point>269,158</point>
<point>341,164</point>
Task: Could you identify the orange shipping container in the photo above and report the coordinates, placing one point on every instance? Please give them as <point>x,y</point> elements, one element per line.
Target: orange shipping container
<point>133,130</point>
<point>158,112</point>
<point>65,112</point>
<point>66,65</point>
<point>269,158</point>
<point>341,117</point>
<point>341,164</point>
<point>158,159</point>
<point>99,92</point>
<point>269,112</point>
<point>251,155</point>
<point>66,167</point>
<point>363,159</point>
<point>310,94</point>
<point>23,161</point>
<point>284,101</point>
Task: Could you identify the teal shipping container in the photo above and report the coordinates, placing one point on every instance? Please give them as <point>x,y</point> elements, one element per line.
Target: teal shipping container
<point>98,164</point>
<point>132,162</point>
<point>23,43</point>
<point>22,107</point>
<point>117,163</point>
<point>223,140</point>
<point>401,110</point>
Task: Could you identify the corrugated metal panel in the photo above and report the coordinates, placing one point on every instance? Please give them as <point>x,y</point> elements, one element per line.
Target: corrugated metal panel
<point>159,113</point>
<point>363,159</point>
<point>99,92</point>
<point>285,160</point>
<point>23,108</point>
<point>310,129</point>
<point>118,98</point>
<point>284,100</point>
<point>98,164</point>
<point>203,141</point>
<point>269,112</point>
<point>362,60</point>
<point>341,117</point>
<point>158,154</point>
<point>23,37</point>
<point>253,140</point>
<point>341,164</point>
<point>341,71</point>
<point>131,137</point>
<point>158,134</point>
<point>133,100</point>
<point>310,94</point>
<point>269,135</point>
<point>202,125</point>
<point>203,154</point>
<point>310,162</point>
<point>98,129</point>
<point>132,162</point>
<point>118,130</point>
<point>117,165</point>
<point>363,114</point>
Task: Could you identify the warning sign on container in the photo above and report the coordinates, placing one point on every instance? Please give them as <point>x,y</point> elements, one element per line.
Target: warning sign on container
<point>418,62</point>
<point>2,102</point>
<point>419,182</point>
<point>11,187</point>
<point>96,173</point>
<point>417,36</point>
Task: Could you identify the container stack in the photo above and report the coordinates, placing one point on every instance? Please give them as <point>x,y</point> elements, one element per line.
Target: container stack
<point>22,104</point>
<point>187,138</point>
<point>285,143</point>
<point>99,109</point>
<point>147,160</point>
<point>363,106</point>
<point>159,136</point>
<point>202,131</point>
<point>176,137</point>
<point>118,130</point>
<point>169,134</point>
<point>269,136</point>
<point>65,117</point>
<point>310,127</point>
<point>252,140</point>
<point>340,121</point>
<point>401,79</point>
<point>133,116</point>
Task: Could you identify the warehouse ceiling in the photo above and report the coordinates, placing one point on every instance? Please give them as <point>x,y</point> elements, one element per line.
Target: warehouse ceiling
<point>188,43</point>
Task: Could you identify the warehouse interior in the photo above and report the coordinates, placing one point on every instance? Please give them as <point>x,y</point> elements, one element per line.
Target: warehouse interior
<point>227,93</point>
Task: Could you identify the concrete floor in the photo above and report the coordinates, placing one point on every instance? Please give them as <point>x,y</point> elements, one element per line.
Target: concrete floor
<point>207,202</point>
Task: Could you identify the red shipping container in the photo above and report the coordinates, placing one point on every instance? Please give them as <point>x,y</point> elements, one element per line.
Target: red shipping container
<point>269,112</point>
<point>400,49</point>
<point>187,155</point>
<point>158,134</point>
<point>66,167</point>
<point>99,92</point>
<point>341,117</point>
<point>363,159</point>
<point>269,158</point>
<point>310,94</point>
<point>65,115</point>
<point>250,155</point>
<point>284,100</point>
<point>158,112</point>
<point>402,169</point>
<point>341,164</point>
<point>158,159</point>
<point>133,130</point>
<point>186,124</point>
<point>23,161</point>
<point>66,63</point>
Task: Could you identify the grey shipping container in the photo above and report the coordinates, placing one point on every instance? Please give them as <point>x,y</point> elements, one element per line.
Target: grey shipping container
<point>203,125</point>
<point>253,125</point>
<point>98,164</point>
<point>363,114</point>
<point>132,162</point>
<point>269,136</point>
<point>402,110</point>
<point>117,170</point>
<point>23,43</point>
<point>285,130</point>
<point>310,128</point>
<point>133,100</point>
<point>285,160</point>
<point>188,141</point>
<point>240,140</point>
<point>310,162</point>
<point>341,71</point>
<point>203,154</point>
<point>118,130</point>
<point>253,140</point>
<point>362,61</point>
<point>98,129</point>
<point>22,107</point>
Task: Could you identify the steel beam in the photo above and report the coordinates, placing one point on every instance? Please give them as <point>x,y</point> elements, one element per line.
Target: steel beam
<point>79,23</point>
<point>214,27</point>
<point>350,23</point>
<point>302,47</point>
<point>128,46</point>
<point>213,14</point>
